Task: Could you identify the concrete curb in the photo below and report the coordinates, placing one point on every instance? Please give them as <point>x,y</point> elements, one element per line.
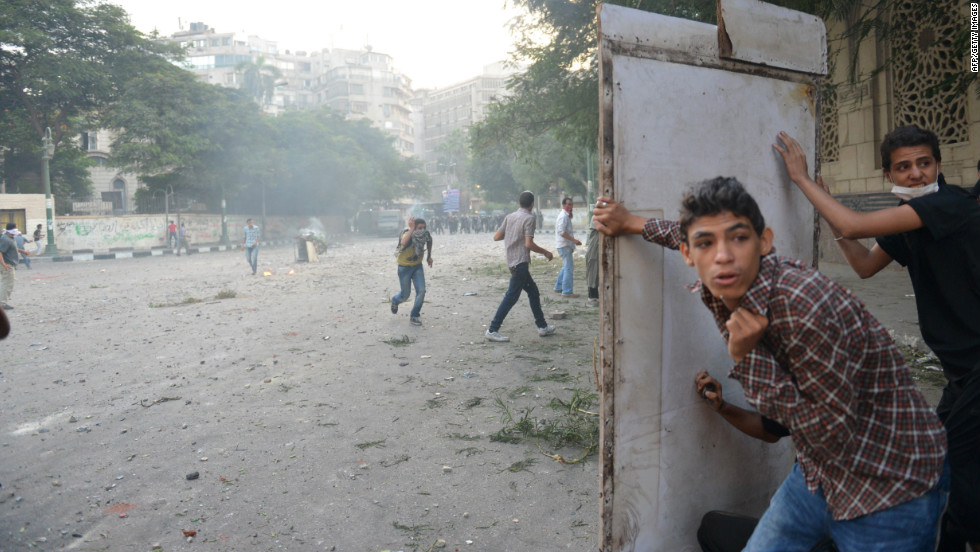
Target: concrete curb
<point>89,255</point>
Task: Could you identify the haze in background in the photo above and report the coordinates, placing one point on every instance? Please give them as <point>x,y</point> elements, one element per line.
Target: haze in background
<point>434,42</point>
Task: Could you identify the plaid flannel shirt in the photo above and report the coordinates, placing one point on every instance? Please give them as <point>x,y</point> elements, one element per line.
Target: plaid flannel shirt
<point>828,371</point>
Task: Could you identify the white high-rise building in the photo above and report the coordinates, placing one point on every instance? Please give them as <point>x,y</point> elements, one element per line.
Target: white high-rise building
<point>357,83</point>
<point>452,108</point>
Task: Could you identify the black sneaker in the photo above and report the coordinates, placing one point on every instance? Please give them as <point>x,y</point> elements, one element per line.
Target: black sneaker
<point>394,307</point>
<point>415,321</point>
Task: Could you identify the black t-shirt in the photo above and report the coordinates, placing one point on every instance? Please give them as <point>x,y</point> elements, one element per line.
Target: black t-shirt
<point>943,260</point>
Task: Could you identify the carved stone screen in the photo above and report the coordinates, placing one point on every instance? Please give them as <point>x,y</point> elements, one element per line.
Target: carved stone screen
<point>673,113</point>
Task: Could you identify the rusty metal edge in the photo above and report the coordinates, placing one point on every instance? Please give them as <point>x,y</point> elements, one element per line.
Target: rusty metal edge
<point>607,299</point>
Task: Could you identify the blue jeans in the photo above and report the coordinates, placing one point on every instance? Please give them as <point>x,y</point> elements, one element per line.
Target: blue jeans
<point>252,256</point>
<point>566,277</point>
<point>520,280</point>
<point>797,519</point>
<point>172,239</point>
<point>408,275</point>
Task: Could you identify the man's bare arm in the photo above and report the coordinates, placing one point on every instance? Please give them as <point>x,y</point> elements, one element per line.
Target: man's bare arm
<point>851,224</point>
<point>865,262</point>
<point>499,235</point>
<point>408,235</point>
<point>529,242</point>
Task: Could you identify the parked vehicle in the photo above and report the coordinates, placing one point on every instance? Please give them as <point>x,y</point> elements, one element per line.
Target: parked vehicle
<point>389,222</point>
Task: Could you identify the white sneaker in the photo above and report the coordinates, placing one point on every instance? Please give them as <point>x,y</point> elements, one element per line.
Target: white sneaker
<point>547,330</point>
<point>495,336</point>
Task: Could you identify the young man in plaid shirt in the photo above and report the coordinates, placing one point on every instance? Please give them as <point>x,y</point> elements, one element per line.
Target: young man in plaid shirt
<point>870,468</point>
<point>935,233</point>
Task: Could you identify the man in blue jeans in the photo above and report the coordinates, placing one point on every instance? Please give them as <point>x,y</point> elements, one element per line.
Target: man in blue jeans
<point>250,243</point>
<point>517,231</point>
<point>565,242</point>
<point>413,242</point>
<point>870,470</point>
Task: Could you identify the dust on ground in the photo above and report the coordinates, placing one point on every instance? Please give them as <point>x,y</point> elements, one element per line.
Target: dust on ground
<point>313,418</point>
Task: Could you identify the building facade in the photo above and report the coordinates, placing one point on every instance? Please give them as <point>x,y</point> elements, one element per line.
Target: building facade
<point>897,84</point>
<point>453,109</point>
<point>365,84</point>
<point>113,191</point>
<point>858,115</point>
<point>358,83</point>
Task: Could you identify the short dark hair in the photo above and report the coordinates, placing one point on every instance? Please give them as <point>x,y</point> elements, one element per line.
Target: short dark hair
<point>565,200</point>
<point>718,195</point>
<point>908,136</point>
<point>526,199</point>
<point>11,225</point>
<point>419,221</point>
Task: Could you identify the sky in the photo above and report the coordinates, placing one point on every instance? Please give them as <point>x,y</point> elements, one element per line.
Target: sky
<point>434,42</point>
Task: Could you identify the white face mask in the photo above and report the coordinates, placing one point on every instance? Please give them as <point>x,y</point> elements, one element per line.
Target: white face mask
<point>911,193</point>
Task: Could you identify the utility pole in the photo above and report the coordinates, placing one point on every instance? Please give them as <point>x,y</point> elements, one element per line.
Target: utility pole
<point>224,219</point>
<point>47,152</point>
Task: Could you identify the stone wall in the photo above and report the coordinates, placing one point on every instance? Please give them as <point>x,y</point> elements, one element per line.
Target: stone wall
<point>32,204</point>
<point>149,231</point>
<point>857,115</point>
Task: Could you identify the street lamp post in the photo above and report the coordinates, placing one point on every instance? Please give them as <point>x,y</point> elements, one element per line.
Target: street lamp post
<point>224,220</point>
<point>47,152</point>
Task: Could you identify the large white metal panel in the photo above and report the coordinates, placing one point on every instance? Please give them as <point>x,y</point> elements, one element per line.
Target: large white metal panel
<point>763,33</point>
<point>675,124</point>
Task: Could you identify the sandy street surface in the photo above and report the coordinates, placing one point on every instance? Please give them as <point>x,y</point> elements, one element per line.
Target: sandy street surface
<point>314,418</point>
<point>311,425</point>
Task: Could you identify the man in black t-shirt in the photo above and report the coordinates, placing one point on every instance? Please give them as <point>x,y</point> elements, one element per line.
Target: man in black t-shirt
<point>976,187</point>
<point>935,233</point>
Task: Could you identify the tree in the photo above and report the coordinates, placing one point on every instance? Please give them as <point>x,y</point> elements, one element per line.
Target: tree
<point>61,63</point>
<point>558,91</point>
<point>333,165</point>
<point>161,121</point>
<point>259,79</point>
<point>240,143</point>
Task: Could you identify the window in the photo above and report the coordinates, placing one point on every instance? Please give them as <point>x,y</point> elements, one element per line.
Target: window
<point>90,141</point>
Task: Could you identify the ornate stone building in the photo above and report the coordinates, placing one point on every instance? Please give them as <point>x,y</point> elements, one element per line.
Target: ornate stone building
<point>858,114</point>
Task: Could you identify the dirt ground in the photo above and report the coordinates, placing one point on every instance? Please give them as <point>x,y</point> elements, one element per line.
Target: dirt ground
<point>314,418</point>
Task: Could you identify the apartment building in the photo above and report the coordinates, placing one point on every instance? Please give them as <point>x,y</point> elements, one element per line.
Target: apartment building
<point>443,111</point>
<point>358,83</point>
<point>364,83</point>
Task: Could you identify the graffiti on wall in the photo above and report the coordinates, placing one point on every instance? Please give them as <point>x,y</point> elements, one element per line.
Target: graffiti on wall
<point>147,232</point>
